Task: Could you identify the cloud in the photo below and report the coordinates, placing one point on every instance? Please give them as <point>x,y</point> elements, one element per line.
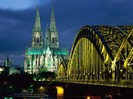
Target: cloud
<point>1,62</point>
<point>21,4</point>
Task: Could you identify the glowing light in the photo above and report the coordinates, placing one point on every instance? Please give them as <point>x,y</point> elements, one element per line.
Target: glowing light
<point>88,97</point>
<point>113,65</point>
<point>124,75</point>
<point>60,91</point>
<point>34,79</point>
<point>43,79</point>
<point>41,88</point>
<point>1,69</point>
<point>106,59</point>
<point>103,48</point>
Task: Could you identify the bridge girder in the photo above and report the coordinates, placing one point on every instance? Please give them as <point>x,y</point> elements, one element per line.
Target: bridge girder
<point>105,43</point>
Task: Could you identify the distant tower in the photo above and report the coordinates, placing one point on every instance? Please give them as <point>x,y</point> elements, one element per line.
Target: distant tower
<point>37,37</point>
<point>7,62</point>
<point>52,33</point>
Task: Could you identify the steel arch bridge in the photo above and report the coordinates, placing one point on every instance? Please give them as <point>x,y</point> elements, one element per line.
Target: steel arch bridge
<point>101,53</point>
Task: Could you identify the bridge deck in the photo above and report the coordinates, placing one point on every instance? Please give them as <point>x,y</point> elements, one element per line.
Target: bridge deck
<point>123,84</point>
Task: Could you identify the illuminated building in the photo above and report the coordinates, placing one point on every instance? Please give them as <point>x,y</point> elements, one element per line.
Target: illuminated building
<point>8,68</point>
<point>7,62</point>
<point>14,70</point>
<point>44,53</point>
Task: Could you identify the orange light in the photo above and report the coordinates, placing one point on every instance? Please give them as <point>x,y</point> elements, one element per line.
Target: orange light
<point>88,97</point>
<point>60,91</point>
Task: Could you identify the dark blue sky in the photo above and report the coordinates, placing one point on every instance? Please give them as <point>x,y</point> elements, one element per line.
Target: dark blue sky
<point>17,20</point>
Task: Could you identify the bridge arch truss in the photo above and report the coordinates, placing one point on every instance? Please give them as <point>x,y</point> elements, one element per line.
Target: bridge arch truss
<point>101,53</point>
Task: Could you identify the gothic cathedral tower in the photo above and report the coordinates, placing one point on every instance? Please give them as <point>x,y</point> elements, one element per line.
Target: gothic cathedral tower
<point>42,55</point>
<point>51,38</point>
<point>37,38</point>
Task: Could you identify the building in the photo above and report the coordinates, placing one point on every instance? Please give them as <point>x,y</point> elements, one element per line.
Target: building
<point>15,70</point>
<point>44,52</point>
<point>7,62</point>
<point>8,68</point>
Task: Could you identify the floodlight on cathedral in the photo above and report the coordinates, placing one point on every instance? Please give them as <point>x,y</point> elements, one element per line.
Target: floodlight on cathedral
<point>44,52</point>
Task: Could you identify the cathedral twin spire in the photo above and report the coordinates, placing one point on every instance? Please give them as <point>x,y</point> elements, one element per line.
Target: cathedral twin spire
<point>51,37</point>
<point>37,37</point>
<point>52,21</point>
<point>37,26</point>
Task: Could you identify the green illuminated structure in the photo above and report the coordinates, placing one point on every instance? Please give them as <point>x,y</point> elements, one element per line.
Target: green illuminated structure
<point>44,53</point>
<point>7,62</point>
<point>8,68</point>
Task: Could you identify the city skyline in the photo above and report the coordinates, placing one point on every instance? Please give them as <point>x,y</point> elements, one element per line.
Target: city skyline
<point>18,17</point>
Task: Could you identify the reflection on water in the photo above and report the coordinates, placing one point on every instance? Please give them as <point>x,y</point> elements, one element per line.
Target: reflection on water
<point>28,96</point>
<point>48,97</point>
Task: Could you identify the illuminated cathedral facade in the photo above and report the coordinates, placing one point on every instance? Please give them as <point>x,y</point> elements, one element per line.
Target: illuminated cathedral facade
<point>44,53</point>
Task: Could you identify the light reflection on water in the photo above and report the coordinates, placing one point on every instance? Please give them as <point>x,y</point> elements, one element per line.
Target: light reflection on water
<point>37,98</point>
<point>45,97</point>
<point>33,96</point>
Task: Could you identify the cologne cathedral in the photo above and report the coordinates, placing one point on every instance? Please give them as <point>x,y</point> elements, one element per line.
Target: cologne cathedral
<point>44,53</point>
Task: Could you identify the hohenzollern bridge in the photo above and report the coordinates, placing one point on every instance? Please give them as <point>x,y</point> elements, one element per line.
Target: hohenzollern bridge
<point>103,54</point>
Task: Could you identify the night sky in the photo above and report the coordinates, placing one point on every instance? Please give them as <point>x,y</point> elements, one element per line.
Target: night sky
<point>17,19</point>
